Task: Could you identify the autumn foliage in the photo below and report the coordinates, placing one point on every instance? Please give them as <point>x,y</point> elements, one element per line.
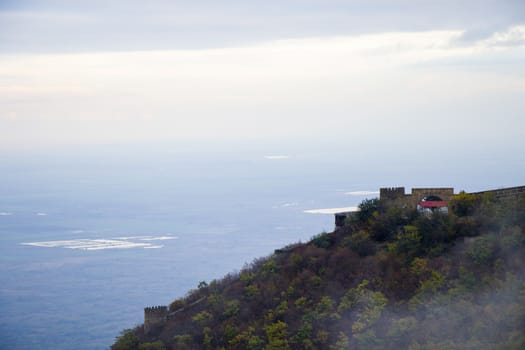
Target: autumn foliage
<point>387,280</point>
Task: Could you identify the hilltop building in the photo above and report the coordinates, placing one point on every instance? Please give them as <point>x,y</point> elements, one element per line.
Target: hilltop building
<point>428,200</point>
<point>422,199</point>
<point>425,200</point>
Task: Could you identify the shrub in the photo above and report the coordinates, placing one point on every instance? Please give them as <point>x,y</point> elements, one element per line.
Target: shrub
<point>277,336</point>
<point>202,318</point>
<point>321,240</point>
<point>183,339</point>
<point>408,242</point>
<point>434,229</point>
<point>342,342</point>
<point>157,345</point>
<point>232,308</point>
<point>482,250</point>
<point>177,304</point>
<point>463,204</point>
<point>360,243</point>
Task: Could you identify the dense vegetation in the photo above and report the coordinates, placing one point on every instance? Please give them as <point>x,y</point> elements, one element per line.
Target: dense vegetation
<point>389,279</point>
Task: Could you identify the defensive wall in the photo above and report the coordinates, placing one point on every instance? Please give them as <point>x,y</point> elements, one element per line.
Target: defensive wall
<point>156,316</point>
<point>505,193</point>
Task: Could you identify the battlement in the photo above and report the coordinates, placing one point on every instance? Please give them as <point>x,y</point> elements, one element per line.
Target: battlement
<point>391,192</point>
<point>444,193</point>
<point>154,317</point>
<point>156,310</point>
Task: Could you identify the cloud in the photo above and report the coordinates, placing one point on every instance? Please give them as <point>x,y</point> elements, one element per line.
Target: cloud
<point>513,36</point>
<point>331,210</point>
<point>362,193</point>
<point>66,26</point>
<point>363,85</point>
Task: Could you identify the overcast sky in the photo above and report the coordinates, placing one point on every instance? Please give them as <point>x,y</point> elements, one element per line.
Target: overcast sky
<point>102,72</point>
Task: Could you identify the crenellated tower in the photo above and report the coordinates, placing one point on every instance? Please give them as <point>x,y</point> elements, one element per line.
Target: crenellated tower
<point>154,317</point>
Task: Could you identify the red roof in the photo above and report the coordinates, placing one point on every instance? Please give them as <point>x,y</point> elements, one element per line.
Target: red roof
<point>432,204</point>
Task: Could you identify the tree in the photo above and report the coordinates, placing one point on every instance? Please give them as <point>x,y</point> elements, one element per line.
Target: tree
<point>157,345</point>
<point>367,208</point>
<point>463,204</point>
<point>360,243</point>
<point>342,342</point>
<point>276,334</point>
<point>127,340</point>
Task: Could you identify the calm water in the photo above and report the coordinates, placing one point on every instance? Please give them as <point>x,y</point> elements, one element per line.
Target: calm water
<point>178,217</point>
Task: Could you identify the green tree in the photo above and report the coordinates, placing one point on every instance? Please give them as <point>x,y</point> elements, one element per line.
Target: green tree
<point>408,242</point>
<point>367,208</point>
<point>463,204</point>
<point>157,345</point>
<point>183,339</point>
<point>360,243</point>
<point>202,318</point>
<point>208,338</point>
<point>343,343</point>
<point>321,240</point>
<point>247,340</point>
<point>127,340</point>
<point>483,250</point>
<point>367,305</point>
<point>324,307</point>
<point>277,336</point>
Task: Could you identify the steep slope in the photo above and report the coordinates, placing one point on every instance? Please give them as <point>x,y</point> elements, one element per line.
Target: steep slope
<point>389,279</point>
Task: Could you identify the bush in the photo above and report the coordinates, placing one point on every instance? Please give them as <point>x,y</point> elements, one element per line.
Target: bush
<point>183,339</point>
<point>463,204</point>
<point>157,345</point>
<point>434,230</point>
<point>322,240</point>
<point>408,242</point>
<point>384,227</point>
<point>202,318</point>
<point>482,251</point>
<point>277,336</point>
<point>360,243</point>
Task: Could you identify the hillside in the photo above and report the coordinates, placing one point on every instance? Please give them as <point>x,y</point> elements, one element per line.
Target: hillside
<point>389,279</point>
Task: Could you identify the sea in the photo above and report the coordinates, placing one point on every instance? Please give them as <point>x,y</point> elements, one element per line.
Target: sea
<point>90,236</point>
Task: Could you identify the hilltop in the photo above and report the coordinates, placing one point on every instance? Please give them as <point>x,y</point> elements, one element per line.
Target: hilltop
<point>389,278</point>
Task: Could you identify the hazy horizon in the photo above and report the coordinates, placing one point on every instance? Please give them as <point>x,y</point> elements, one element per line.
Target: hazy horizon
<point>341,74</point>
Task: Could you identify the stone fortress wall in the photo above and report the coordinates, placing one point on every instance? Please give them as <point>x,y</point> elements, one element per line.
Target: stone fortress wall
<point>396,196</point>
<point>154,317</point>
<point>508,193</point>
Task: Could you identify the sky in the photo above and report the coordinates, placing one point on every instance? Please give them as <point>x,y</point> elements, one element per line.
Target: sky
<point>377,74</point>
